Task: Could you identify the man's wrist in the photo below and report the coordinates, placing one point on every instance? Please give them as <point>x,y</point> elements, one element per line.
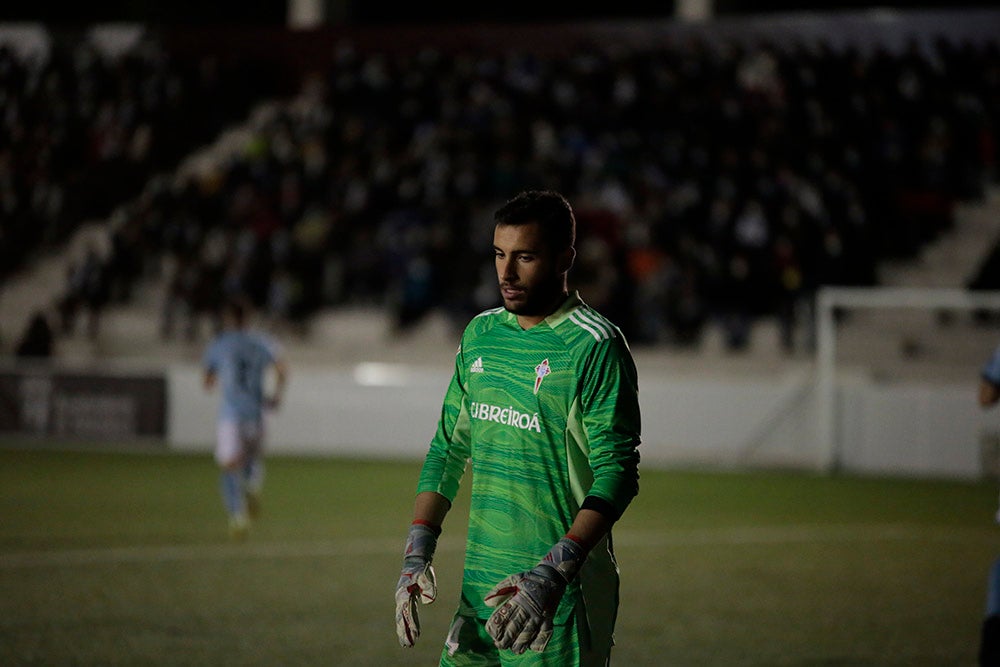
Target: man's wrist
<point>421,541</point>
<point>566,557</point>
<point>434,528</point>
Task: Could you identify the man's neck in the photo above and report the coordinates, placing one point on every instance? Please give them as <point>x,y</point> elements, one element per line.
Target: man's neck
<point>528,321</point>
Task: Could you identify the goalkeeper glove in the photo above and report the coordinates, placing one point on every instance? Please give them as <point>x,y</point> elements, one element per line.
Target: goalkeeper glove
<point>416,581</point>
<point>526,602</point>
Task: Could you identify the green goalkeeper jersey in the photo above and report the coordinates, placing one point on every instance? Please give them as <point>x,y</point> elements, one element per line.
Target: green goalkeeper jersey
<point>547,416</point>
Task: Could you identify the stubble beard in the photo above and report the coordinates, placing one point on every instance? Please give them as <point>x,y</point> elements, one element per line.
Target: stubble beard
<point>534,303</point>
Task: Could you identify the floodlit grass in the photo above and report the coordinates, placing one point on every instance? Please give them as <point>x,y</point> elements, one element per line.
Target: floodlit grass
<point>123,559</point>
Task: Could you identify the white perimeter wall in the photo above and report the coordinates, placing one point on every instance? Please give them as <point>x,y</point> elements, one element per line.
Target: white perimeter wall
<point>914,428</point>
<point>391,412</point>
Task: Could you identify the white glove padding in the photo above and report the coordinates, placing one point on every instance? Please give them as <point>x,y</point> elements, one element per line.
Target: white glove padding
<point>416,581</point>
<point>526,602</point>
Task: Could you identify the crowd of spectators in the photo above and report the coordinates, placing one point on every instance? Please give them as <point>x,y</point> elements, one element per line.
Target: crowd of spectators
<point>714,182</point>
<point>82,131</point>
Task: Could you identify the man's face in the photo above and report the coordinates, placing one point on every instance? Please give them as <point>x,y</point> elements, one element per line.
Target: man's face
<point>531,275</point>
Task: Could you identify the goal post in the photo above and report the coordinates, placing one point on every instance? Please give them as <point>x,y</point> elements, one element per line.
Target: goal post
<point>832,302</point>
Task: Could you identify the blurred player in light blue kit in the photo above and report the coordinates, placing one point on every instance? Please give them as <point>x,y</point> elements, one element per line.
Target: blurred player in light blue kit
<point>989,647</point>
<point>238,360</point>
<point>989,380</point>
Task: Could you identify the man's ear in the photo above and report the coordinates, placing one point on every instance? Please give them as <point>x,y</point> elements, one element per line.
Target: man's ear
<point>565,259</point>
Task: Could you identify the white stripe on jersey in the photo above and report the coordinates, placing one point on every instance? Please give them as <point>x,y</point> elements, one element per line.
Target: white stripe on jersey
<point>577,322</point>
<point>491,311</point>
<point>598,328</point>
<point>596,333</point>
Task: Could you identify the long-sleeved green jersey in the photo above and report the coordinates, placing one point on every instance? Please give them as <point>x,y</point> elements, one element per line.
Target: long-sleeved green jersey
<point>548,417</point>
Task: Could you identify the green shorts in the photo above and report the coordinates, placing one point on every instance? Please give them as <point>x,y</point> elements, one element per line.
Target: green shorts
<point>571,645</point>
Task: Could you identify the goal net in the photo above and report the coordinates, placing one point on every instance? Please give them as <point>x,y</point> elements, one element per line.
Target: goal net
<point>897,374</point>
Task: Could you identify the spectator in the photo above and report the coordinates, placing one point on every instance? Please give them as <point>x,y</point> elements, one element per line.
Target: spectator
<point>38,340</point>
<point>737,161</point>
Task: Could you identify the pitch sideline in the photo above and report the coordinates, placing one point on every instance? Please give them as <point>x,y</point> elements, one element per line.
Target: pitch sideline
<point>630,539</point>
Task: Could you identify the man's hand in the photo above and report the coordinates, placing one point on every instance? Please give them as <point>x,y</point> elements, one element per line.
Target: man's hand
<point>416,582</point>
<point>526,602</point>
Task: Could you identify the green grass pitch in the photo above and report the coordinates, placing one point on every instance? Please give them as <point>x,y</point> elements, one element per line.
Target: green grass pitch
<point>123,559</point>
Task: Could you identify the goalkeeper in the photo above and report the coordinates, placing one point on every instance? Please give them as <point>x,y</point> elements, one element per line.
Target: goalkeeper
<point>543,404</point>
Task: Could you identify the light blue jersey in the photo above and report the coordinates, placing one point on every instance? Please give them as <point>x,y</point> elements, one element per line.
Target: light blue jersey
<point>240,360</point>
<point>991,371</point>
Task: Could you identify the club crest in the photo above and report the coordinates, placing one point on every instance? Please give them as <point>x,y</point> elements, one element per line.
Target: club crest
<point>541,370</point>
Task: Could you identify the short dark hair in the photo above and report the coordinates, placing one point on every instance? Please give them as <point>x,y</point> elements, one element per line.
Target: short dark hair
<point>546,207</point>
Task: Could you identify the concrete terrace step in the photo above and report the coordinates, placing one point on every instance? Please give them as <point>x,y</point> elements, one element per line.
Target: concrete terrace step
<point>953,259</point>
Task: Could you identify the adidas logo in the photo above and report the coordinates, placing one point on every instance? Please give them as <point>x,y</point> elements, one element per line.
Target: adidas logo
<point>477,366</point>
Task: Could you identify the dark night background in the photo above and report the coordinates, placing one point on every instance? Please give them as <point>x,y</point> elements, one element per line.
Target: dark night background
<point>378,12</point>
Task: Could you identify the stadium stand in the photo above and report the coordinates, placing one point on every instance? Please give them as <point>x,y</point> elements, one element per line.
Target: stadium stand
<point>716,183</point>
